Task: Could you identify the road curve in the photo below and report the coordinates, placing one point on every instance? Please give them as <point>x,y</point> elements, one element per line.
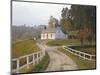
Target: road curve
<point>58,60</point>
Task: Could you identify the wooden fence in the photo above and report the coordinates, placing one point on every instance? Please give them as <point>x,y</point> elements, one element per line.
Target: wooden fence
<point>80,54</point>
<point>32,58</point>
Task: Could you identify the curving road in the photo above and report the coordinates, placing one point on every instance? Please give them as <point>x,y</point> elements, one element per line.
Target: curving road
<point>58,60</point>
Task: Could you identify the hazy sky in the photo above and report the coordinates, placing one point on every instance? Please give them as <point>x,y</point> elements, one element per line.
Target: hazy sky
<point>34,13</point>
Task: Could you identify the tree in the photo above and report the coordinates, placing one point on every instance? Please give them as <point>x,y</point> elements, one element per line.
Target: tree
<point>81,18</point>
<point>66,20</point>
<point>84,19</point>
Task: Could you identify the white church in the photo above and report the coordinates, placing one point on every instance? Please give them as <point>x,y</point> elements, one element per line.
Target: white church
<point>53,32</point>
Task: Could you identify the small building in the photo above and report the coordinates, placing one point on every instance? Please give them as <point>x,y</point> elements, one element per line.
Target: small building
<point>52,33</point>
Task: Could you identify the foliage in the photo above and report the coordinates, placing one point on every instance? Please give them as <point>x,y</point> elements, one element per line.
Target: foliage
<point>26,32</point>
<point>81,18</point>
<point>66,25</point>
<point>66,22</point>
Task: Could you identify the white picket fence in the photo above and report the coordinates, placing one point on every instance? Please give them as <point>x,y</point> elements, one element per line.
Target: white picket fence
<point>39,55</point>
<point>80,54</point>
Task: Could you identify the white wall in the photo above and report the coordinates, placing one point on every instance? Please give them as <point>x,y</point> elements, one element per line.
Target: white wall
<point>43,36</point>
<point>48,36</point>
<point>53,35</point>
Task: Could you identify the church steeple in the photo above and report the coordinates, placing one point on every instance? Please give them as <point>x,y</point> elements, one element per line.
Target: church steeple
<point>53,22</point>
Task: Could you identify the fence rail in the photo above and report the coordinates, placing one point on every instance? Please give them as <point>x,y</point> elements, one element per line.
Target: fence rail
<point>80,54</point>
<point>35,58</point>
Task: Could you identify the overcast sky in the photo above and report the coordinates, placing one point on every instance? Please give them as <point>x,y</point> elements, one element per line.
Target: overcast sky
<point>34,13</point>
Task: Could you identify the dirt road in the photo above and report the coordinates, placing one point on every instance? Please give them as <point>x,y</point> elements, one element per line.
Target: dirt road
<point>58,60</point>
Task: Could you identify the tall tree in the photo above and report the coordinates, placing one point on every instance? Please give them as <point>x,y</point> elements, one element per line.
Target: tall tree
<point>81,18</point>
<point>84,18</point>
<point>66,20</point>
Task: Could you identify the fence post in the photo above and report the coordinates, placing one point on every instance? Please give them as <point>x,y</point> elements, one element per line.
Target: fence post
<point>90,57</point>
<point>33,59</point>
<point>27,58</point>
<point>37,58</point>
<point>17,65</point>
<point>84,56</point>
<point>43,52</point>
<point>40,56</point>
<point>79,53</point>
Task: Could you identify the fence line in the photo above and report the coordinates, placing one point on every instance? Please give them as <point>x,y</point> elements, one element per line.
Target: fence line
<point>36,57</point>
<point>80,54</point>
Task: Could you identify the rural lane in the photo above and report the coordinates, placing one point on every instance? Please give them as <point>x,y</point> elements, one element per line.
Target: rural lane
<point>58,60</point>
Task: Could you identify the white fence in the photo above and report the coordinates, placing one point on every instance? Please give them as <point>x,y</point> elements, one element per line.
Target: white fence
<point>80,54</point>
<point>35,58</point>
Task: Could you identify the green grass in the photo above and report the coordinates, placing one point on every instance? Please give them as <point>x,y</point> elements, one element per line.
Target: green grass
<point>25,70</point>
<point>82,63</point>
<point>90,49</point>
<point>60,42</point>
<point>42,65</point>
<point>37,67</point>
<point>24,47</point>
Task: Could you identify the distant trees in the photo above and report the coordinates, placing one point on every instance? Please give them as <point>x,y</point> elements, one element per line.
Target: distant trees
<point>25,32</point>
<point>81,18</point>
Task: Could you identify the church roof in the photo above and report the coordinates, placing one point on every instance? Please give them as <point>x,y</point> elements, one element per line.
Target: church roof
<point>50,30</point>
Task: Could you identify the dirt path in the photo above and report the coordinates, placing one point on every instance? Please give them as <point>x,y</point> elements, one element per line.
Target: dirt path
<point>58,60</point>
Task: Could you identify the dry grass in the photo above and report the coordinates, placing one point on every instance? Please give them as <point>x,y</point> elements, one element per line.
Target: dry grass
<point>82,63</point>
<point>21,48</point>
<point>59,42</point>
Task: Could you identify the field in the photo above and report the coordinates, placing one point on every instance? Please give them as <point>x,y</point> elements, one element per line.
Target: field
<point>60,42</point>
<point>82,63</point>
<point>24,47</point>
<point>90,49</point>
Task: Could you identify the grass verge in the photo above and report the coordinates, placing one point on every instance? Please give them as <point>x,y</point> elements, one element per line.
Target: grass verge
<point>82,63</point>
<point>42,65</point>
<point>24,47</point>
<point>37,67</point>
<point>60,42</point>
<point>90,49</point>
